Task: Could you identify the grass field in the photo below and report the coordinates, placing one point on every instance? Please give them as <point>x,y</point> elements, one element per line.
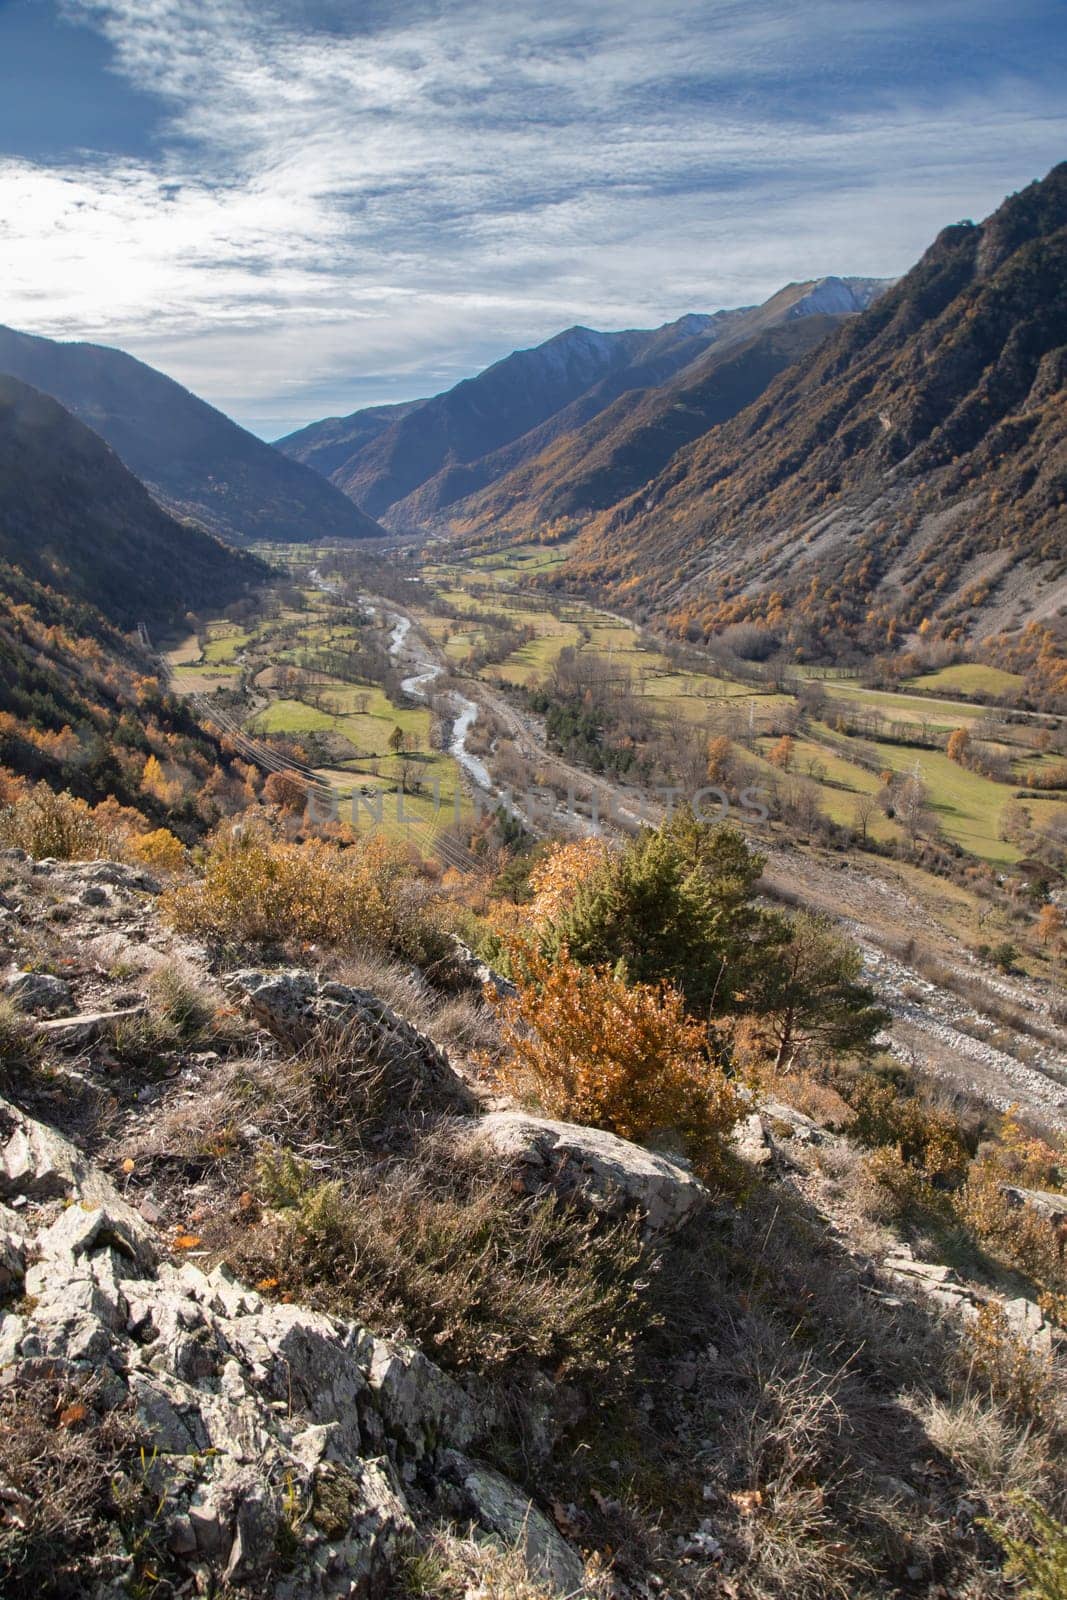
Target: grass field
<point>969,677</point>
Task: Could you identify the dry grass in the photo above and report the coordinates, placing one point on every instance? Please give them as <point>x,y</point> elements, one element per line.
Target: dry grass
<point>181,1012</point>
<point>437,1247</point>
<point>77,1504</point>
<point>454,1566</point>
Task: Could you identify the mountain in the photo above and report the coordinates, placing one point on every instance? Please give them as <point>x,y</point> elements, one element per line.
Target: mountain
<point>446,435</point>
<point>910,472</point>
<point>74,519</point>
<point>326,446</point>
<point>588,466</point>
<point>195,461</point>
<point>444,451</point>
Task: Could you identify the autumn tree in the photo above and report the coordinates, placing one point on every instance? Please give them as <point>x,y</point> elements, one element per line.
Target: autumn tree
<point>1050,923</point>
<point>284,790</point>
<point>720,760</point>
<point>781,753</point>
<point>959,746</point>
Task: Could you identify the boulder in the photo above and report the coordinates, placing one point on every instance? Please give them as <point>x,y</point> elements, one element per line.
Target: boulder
<point>610,1174</point>
<point>1047,1204</point>
<point>504,1510</point>
<point>40,994</point>
<point>296,1006</point>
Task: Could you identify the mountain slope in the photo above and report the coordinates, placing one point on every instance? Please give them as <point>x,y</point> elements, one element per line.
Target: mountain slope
<point>591,465</point>
<point>327,445</point>
<point>73,518</point>
<point>444,439</point>
<point>912,468</point>
<point>445,451</point>
<point>196,461</point>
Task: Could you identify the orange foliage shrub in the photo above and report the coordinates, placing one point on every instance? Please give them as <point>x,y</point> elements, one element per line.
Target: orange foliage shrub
<point>593,1049</point>
<point>160,850</point>
<point>555,879</point>
<point>264,890</point>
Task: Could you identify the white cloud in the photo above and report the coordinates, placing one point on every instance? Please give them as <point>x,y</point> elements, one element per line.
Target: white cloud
<point>338,215</point>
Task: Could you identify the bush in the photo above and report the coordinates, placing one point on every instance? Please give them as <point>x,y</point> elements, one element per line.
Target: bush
<point>20,1047</point>
<point>78,1500</point>
<point>260,890</point>
<point>596,1050</point>
<point>1040,1561</point>
<point>44,823</point>
<point>928,1141</point>
<point>159,850</point>
<point>439,1247</point>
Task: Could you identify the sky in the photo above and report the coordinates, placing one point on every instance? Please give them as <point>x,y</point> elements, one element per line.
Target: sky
<point>300,208</point>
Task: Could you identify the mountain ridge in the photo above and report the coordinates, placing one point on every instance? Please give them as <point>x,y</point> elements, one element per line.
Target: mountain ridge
<point>74,518</point>
<point>443,451</point>
<point>903,474</point>
<point>197,462</point>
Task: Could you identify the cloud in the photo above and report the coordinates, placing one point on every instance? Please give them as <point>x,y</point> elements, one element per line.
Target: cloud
<point>337,213</point>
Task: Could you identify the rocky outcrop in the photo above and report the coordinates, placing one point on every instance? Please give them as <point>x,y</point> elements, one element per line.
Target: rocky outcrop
<point>296,1007</point>
<point>289,1452</point>
<point>938,1283</point>
<point>608,1173</point>
<point>39,994</point>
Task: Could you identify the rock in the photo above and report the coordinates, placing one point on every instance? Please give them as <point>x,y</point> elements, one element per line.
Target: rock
<point>118,874</point>
<point>40,993</point>
<point>506,1511</point>
<point>295,1005</point>
<point>906,1266</point>
<point>69,1033</point>
<point>94,895</point>
<point>1053,1207</point>
<point>265,1425</point>
<point>751,1141</point>
<point>610,1174</point>
<point>481,974</point>
<point>1027,1322</point>
<point>419,1404</point>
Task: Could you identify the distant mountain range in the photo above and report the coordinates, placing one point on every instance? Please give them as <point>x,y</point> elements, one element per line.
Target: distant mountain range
<point>430,459</point>
<point>910,471</point>
<point>196,462</point>
<point>74,519</point>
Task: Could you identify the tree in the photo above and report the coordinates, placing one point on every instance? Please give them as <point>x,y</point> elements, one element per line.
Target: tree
<point>959,746</point>
<point>720,760</point>
<point>865,810</point>
<point>781,754</point>
<point>811,996</point>
<point>677,904</point>
<point>396,740</point>
<point>284,789</point>
<point>911,804</point>
<point>1050,923</point>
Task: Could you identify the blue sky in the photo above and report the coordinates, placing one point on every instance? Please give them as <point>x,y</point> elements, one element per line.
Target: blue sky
<point>300,208</point>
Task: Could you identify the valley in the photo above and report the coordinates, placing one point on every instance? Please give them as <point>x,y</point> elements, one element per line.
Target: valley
<point>470,669</point>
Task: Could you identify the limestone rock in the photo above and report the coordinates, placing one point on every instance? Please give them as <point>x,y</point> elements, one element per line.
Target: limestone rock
<point>295,1005</point>
<point>40,994</point>
<point>610,1174</point>
<point>504,1510</point>
<point>1053,1207</point>
<point>265,1425</point>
